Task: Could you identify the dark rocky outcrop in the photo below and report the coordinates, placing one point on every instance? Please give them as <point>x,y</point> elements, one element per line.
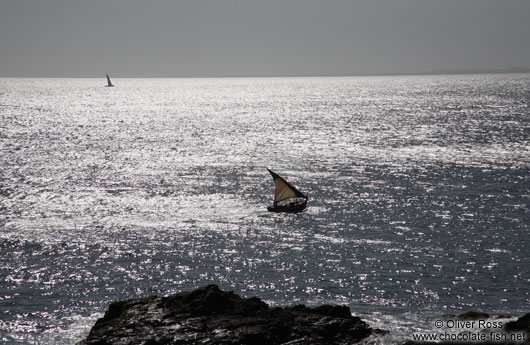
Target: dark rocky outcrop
<point>521,324</point>
<point>473,315</point>
<point>209,315</point>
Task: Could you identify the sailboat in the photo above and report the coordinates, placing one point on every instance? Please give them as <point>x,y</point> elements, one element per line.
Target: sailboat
<point>109,83</point>
<point>286,197</point>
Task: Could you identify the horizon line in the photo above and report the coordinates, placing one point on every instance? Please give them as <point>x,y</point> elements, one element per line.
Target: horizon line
<point>513,70</point>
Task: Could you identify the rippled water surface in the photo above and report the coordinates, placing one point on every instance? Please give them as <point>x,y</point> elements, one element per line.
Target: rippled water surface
<point>418,187</point>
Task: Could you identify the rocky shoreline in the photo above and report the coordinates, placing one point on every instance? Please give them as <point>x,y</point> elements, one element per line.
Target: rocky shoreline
<point>211,316</point>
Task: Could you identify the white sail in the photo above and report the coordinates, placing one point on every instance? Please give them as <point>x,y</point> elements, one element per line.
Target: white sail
<point>284,190</point>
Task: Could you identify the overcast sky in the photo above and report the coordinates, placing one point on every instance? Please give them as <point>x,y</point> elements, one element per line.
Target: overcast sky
<point>174,38</point>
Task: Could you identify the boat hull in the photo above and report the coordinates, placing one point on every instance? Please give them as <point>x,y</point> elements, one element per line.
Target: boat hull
<point>288,208</point>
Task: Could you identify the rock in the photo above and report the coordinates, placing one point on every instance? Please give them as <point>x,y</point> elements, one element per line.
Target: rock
<point>521,324</point>
<point>473,315</point>
<point>209,315</point>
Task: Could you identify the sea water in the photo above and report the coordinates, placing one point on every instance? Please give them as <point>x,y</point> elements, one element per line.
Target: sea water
<point>418,196</point>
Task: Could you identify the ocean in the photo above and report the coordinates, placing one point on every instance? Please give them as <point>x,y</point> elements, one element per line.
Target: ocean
<point>418,193</point>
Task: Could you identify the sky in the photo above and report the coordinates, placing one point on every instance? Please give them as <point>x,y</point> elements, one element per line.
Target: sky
<point>230,38</point>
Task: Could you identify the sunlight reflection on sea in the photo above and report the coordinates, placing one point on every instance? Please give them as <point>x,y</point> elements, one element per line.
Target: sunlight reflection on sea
<point>418,192</point>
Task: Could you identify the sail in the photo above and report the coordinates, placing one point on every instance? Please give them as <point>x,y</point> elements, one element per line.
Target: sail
<point>108,81</point>
<point>284,190</point>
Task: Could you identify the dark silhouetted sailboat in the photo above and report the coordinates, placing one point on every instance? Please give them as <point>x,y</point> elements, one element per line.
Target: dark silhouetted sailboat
<point>109,83</point>
<point>286,197</point>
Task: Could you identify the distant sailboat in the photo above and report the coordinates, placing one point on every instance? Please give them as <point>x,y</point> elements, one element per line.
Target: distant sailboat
<point>109,83</point>
<point>286,197</point>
